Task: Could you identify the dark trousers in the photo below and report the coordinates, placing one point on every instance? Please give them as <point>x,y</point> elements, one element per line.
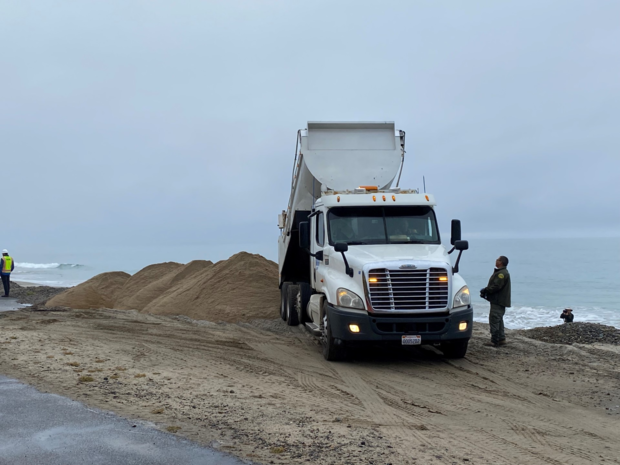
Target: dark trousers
<point>6,282</point>
<point>496,322</point>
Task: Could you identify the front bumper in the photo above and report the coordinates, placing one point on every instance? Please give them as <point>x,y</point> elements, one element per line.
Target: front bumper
<point>433,328</point>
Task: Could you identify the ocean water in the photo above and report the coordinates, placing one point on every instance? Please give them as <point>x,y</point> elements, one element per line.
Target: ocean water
<point>548,275</point>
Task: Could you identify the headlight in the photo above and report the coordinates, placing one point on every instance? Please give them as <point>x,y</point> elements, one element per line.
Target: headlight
<point>349,299</point>
<point>461,299</point>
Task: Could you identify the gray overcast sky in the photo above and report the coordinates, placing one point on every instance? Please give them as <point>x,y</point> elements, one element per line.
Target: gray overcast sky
<point>158,123</point>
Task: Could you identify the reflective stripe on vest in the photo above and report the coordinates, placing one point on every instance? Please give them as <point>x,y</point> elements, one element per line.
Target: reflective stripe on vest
<point>8,264</point>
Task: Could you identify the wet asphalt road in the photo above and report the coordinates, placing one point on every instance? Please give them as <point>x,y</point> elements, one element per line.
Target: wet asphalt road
<point>46,429</point>
<point>9,303</point>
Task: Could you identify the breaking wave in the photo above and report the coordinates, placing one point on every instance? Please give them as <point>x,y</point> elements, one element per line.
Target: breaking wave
<point>47,266</point>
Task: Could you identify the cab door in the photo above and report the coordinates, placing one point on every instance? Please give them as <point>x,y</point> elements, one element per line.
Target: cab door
<point>318,242</point>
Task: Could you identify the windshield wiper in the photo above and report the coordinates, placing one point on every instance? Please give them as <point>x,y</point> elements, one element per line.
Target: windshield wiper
<point>357,243</point>
<point>408,242</point>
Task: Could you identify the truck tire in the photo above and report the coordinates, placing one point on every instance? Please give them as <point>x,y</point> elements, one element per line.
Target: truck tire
<point>303,298</point>
<point>455,349</point>
<point>291,305</point>
<point>333,349</point>
<point>283,296</point>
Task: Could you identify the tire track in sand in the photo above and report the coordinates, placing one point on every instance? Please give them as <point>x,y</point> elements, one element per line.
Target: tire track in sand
<point>382,414</point>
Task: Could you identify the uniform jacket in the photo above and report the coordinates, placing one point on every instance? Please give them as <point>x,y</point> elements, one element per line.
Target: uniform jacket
<point>498,289</point>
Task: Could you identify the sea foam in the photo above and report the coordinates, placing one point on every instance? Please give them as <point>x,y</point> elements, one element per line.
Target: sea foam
<point>524,317</point>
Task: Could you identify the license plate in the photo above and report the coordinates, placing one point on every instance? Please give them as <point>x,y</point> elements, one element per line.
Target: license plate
<point>412,340</point>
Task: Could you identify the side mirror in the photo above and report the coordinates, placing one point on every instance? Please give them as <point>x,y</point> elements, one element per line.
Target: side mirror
<point>456,232</point>
<point>304,235</point>
<point>341,247</point>
<point>461,245</point>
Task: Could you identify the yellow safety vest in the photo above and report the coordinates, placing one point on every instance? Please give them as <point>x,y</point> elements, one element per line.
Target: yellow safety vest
<point>8,264</point>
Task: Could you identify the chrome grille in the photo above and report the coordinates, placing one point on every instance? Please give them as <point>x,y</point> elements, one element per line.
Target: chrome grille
<point>407,290</point>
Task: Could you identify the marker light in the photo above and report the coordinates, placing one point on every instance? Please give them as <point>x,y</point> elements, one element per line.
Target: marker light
<point>338,199</point>
<point>370,188</point>
<point>356,329</point>
<point>374,198</point>
<point>372,280</point>
<point>394,198</point>
<point>384,198</point>
<point>443,278</point>
<point>426,196</point>
<point>462,325</point>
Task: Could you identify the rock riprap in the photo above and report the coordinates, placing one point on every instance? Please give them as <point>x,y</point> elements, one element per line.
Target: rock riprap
<point>34,294</point>
<point>575,333</point>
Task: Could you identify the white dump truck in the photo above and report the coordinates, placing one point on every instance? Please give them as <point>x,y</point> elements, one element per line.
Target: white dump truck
<point>361,259</point>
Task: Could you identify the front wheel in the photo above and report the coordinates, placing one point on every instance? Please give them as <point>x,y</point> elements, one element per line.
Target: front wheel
<point>454,349</point>
<point>333,349</point>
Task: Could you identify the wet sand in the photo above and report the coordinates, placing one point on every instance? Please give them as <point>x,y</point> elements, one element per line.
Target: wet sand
<point>263,392</point>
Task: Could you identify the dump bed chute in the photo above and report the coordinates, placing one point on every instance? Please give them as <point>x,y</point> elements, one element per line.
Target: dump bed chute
<point>348,155</point>
<point>343,156</point>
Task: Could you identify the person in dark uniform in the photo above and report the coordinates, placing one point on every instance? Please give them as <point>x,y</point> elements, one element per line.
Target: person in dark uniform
<point>497,293</point>
<point>567,315</point>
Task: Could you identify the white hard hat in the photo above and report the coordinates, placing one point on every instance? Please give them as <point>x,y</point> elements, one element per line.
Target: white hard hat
<point>5,251</point>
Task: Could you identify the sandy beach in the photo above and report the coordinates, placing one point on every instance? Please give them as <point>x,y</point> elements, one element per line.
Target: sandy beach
<point>262,391</point>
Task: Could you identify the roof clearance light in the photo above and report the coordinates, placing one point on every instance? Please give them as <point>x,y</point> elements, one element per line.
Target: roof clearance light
<point>443,278</point>
<point>372,280</point>
<point>426,196</point>
<point>384,198</point>
<point>338,199</point>
<point>374,198</point>
<point>394,198</point>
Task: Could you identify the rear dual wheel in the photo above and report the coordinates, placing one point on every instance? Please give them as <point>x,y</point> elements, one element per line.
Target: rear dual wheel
<point>303,298</point>
<point>294,299</point>
<point>283,297</point>
<point>291,305</point>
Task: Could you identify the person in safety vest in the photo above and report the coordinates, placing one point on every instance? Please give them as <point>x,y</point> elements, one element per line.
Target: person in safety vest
<point>6,266</point>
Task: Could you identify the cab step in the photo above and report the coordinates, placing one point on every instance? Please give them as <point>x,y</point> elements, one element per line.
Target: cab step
<point>314,329</point>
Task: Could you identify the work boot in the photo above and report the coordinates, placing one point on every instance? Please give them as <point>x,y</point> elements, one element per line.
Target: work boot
<point>502,342</point>
<point>490,344</point>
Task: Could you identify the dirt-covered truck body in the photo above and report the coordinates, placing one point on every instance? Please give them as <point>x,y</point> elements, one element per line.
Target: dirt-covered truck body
<point>361,260</point>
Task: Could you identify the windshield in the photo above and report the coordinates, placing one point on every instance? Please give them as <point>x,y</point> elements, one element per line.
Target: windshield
<point>383,225</point>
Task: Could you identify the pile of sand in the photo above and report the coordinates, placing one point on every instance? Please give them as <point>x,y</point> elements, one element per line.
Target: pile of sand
<point>97,292</point>
<point>242,288</point>
<point>151,282</point>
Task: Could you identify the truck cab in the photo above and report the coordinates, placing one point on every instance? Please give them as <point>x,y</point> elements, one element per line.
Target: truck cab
<point>365,263</point>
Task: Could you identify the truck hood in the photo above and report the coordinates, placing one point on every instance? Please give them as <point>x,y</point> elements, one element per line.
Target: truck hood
<point>359,255</point>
